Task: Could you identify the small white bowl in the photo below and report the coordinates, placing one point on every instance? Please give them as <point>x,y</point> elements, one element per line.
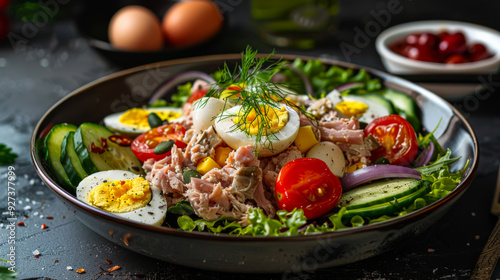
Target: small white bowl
<point>398,64</point>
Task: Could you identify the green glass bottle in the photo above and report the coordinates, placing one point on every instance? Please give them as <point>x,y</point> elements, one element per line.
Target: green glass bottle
<point>299,24</point>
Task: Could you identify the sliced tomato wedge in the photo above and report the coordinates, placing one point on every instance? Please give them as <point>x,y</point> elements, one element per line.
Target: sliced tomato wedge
<point>143,145</point>
<point>307,184</point>
<point>197,94</point>
<point>397,137</point>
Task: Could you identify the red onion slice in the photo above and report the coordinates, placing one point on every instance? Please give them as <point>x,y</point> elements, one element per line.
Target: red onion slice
<point>176,80</point>
<point>425,156</point>
<point>307,84</point>
<point>348,86</point>
<point>374,172</point>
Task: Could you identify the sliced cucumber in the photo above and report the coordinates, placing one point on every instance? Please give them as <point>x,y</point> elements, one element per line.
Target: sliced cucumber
<point>70,160</point>
<point>387,208</point>
<point>52,143</point>
<point>405,106</point>
<point>378,192</point>
<point>379,99</point>
<point>106,155</point>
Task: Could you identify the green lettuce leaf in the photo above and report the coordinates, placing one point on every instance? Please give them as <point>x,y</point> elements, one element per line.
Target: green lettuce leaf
<point>182,208</point>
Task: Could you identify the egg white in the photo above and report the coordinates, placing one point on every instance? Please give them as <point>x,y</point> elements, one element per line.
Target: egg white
<point>236,138</point>
<point>205,110</point>
<point>153,213</point>
<point>112,122</point>
<point>375,110</point>
<point>331,154</point>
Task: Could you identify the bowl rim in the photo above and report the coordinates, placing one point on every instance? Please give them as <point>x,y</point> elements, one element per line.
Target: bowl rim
<point>39,167</point>
<point>400,30</point>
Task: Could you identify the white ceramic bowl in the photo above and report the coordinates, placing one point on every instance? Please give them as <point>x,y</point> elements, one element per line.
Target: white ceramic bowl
<point>398,64</point>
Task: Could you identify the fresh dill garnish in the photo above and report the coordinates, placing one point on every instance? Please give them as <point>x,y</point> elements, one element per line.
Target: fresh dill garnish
<point>249,86</point>
<point>6,155</point>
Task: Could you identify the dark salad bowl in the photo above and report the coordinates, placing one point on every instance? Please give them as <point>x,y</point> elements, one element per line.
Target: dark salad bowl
<point>133,87</point>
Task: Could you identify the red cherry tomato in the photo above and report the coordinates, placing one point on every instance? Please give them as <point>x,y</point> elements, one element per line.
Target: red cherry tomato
<point>478,52</point>
<point>453,44</point>
<point>143,145</point>
<point>456,59</point>
<point>197,94</point>
<point>307,184</point>
<point>397,137</point>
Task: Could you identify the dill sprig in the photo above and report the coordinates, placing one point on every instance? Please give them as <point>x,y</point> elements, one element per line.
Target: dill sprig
<point>251,88</point>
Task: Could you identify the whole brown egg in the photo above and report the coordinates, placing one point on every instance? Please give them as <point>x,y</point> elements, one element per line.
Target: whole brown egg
<point>190,22</point>
<point>135,28</point>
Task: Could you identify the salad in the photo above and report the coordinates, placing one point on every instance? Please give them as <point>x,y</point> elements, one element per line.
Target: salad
<point>272,148</point>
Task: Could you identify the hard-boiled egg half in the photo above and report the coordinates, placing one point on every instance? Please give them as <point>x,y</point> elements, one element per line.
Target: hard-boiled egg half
<point>365,110</point>
<point>205,110</point>
<point>124,194</point>
<point>134,122</point>
<point>277,127</point>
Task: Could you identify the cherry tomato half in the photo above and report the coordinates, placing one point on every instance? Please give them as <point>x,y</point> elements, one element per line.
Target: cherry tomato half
<point>397,137</point>
<point>307,184</point>
<point>197,94</point>
<point>143,145</point>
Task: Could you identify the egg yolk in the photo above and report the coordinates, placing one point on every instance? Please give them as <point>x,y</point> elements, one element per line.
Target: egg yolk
<point>138,117</point>
<point>120,196</point>
<point>352,108</point>
<point>268,120</point>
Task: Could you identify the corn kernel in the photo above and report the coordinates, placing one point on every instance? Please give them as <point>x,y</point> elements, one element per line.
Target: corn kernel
<point>221,155</point>
<point>305,139</point>
<point>354,167</point>
<point>206,165</point>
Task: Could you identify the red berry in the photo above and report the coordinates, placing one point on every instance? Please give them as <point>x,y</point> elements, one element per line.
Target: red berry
<point>478,52</point>
<point>421,53</point>
<point>456,59</point>
<point>412,39</point>
<point>443,34</point>
<point>453,44</point>
<point>428,40</point>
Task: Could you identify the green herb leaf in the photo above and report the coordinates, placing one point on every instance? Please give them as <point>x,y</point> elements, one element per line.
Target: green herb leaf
<point>438,164</point>
<point>181,96</point>
<point>255,91</point>
<point>182,207</point>
<point>7,273</point>
<point>6,155</point>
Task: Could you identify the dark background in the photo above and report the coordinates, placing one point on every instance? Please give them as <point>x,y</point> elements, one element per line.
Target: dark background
<point>57,59</point>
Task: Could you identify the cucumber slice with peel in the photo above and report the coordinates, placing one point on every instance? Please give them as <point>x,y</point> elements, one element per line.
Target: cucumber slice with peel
<point>52,143</point>
<point>97,153</point>
<point>378,192</point>
<point>70,160</point>
<point>387,208</point>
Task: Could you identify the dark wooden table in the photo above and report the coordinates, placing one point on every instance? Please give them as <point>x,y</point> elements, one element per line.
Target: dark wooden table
<point>56,60</point>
